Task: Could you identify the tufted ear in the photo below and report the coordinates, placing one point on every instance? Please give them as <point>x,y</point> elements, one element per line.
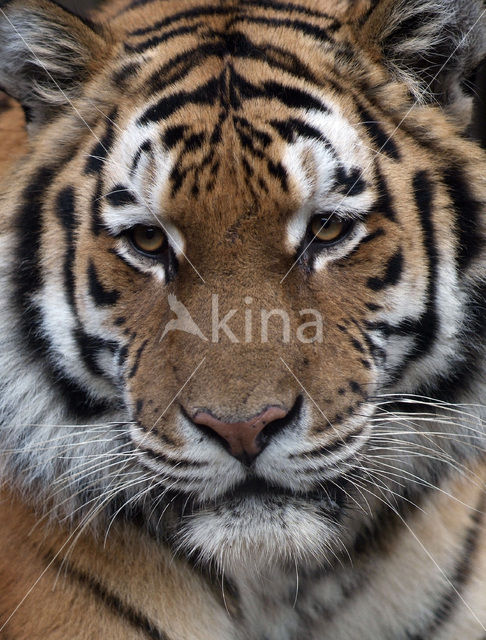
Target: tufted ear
<point>434,46</point>
<point>46,53</point>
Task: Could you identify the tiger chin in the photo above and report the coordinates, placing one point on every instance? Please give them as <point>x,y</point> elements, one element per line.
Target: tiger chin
<point>242,325</point>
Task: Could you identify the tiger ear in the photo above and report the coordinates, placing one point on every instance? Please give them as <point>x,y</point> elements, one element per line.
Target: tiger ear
<point>434,46</point>
<point>46,54</point>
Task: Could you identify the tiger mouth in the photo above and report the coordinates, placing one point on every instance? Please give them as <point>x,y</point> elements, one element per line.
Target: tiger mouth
<point>330,496</point>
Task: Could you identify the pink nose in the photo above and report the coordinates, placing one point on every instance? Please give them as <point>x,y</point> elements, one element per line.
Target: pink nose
<point>241,438</point>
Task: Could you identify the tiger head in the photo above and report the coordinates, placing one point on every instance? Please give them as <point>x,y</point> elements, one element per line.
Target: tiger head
<point>245,247</point>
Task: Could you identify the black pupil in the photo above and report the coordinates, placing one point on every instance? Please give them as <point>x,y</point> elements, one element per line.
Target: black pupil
<point>150,233</point>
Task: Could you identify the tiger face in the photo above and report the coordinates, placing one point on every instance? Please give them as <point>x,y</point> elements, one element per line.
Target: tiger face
<point>239,244</point>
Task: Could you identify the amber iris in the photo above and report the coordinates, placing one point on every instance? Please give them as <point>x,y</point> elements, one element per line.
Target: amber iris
<point>148,240</point>
<point>328,229</point>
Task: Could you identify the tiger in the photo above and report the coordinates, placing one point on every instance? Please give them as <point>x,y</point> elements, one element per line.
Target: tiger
<point>243,321</point>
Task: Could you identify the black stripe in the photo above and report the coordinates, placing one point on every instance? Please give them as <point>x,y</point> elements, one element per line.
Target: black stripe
<point>384,204</point>
<point>102,297</point>
<point>374,536</point>
<point>99,152</point>
<point>158,40</point>
<point>470,353</point>
<point>426,328</point>
<point>136,362</point>
<point>121,196</point>
<point>173,135</point>
<point>330,448</point>
<point>350,183</point>
<point>240,47</point>
<point>28,281</point>
<point>89,346</point>
<point>290,7</point>
<point>393,272</point>
<point>145,147</point>
<point>174,462</point>
<point>196,12</point>
<point>165,107</point>
<point>377,353</point>
<point>121,76</point>
<point>293,97</point>
<point>97,224</point>
<point>292,127</point>
<point>277,170</point>
<point>449,600</point>
<point>65,210</point>
<point>378,233</point>
<point>429,324</point>
<point>178,67</point>
<point>29,223</point>
<point>382,140</point>
<point>264,4</point>
<point>261,137</point>
<point>468,211</point>
<point>110,600</point>
<point>299,26</point>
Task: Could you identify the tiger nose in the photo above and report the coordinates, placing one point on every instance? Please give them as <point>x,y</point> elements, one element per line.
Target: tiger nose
<point>242,439</point>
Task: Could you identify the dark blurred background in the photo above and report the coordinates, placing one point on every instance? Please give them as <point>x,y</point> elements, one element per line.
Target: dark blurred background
<point>79,6</point>
<point>83,6</point>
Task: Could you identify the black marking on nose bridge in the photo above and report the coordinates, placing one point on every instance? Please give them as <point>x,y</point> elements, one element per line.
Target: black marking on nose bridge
<point>101,296</point>
<point>382,140</point>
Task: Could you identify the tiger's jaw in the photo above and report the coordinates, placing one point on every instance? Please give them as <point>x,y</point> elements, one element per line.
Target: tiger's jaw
<point>257,524</point>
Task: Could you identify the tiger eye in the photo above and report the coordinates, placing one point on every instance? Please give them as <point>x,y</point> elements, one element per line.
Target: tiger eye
<point>328,229</point>
<point>148,240</point>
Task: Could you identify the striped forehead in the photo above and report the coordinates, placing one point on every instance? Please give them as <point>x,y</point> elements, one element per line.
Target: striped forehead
<point>297,140</point>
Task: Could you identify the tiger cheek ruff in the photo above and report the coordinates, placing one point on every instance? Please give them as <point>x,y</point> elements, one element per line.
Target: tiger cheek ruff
<point>243,320</point>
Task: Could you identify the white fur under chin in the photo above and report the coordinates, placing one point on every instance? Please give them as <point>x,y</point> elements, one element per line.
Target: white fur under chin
<point>257,534</point>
